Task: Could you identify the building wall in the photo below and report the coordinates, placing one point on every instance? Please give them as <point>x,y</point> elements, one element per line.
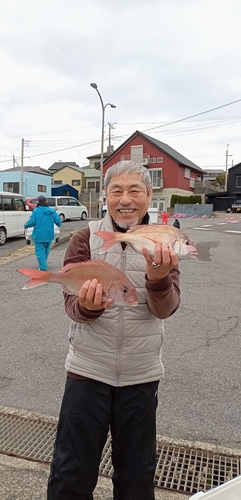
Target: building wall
<point>173,175</point>
<point>197,209</point>
<point>64,190</point>
<point>232,187</point>
<point>32,182</point>
<point>66,176</point>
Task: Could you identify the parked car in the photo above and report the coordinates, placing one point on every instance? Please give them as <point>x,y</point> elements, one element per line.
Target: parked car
<point>67,207</point>
<point>236,206</point>
<point>104,210</point>
<point>14,212</point>
<point>29,231</point>
<point>32,202</point>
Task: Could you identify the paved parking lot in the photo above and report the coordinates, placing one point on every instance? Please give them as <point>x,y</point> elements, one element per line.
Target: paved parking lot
<point>199,399</point>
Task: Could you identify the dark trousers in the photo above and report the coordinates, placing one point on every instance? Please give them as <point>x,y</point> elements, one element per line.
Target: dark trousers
<point>89,410</point>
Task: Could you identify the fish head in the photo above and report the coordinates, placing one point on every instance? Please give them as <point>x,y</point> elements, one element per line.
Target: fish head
<point>123,294</point>
<point>184,247</point>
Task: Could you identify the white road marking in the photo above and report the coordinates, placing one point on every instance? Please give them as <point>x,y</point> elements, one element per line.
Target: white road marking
<point>202,228</point>
<point>230,231</point>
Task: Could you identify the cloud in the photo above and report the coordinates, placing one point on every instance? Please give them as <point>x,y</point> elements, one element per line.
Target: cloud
<point>156,61</point>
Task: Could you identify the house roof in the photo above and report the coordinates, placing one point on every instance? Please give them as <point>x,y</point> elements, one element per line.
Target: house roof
<point>69,166</point>
<point>234,166</point>
<point>98,155</point>
<point>163,147</point>
<point>34,170</point>
<point>60,164</point>
<point>60,185</point>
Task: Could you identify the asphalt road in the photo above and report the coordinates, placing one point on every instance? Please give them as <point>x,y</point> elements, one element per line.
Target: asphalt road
<point>13,244</point>
<point>199,399</point>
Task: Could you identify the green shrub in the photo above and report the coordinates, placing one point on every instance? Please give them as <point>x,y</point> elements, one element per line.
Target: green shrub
<point>185,200</point>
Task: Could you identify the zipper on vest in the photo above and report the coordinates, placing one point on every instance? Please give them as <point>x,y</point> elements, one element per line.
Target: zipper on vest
<point>120,329</point>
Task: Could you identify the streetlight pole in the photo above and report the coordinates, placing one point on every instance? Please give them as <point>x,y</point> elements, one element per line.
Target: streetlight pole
<point>103,106</point>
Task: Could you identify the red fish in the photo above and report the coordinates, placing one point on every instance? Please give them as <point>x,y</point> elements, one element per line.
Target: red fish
<point>116,285</point>
<point>148,236</point>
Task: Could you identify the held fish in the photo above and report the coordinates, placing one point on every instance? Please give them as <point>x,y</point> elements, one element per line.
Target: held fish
<point>116,285</point>
<point>148,236</point>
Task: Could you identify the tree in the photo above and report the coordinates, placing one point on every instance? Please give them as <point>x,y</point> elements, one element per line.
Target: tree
<point>220,181</point>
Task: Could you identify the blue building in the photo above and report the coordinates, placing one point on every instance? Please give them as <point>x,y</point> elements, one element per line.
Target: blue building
<point>35,181</point>
<point>64,190</point>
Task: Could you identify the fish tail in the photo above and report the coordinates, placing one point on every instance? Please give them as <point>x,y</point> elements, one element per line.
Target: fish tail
<point>37,277</point>
<point>110,239</point>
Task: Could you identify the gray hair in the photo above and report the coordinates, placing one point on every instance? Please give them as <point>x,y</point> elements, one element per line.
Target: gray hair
<point>128,167</point>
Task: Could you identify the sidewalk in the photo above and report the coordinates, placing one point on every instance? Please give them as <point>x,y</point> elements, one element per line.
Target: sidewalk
<point>25,480</point>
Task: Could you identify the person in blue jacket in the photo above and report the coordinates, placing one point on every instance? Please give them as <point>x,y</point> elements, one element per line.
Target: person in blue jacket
<point>42,220</point>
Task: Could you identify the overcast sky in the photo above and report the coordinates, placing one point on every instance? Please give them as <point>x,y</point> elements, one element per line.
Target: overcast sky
<point>158,61</point>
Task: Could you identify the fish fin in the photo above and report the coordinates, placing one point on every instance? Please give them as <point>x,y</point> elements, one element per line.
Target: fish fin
<point>37,277</point>
<point>33,284</point>
<point>134,228</point>
<point>109,237</point>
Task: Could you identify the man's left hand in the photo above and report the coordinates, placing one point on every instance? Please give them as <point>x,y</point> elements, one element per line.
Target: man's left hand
<point>159,266</point>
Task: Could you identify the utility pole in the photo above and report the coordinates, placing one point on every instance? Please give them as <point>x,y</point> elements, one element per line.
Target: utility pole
<point>111,127</point>
<point>21,175</point>
<point>24,143</point>
<point>226,169</point>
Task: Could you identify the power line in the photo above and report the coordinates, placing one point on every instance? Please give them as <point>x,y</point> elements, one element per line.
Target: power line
<point>146,130</point>
<point>194,116</point>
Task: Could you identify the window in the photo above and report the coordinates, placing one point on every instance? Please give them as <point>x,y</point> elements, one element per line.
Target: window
<point>91,185</point>
<point>51,202</point>
<point>73,203</point>
<point>187,173</point>
<point>238,181</point>
<point>160,159</point>
<point>58,182</point>
<point>62,201</point>
<point>137,153</point>
<point>153,160</point>
<point>76,182</point>
<point>19,204</point>
<point>156,178</point>
<point>11,187</point>
<point>192,183</point>
<point>41,188</point>
<point>97,165</point>
<point>8,203</point>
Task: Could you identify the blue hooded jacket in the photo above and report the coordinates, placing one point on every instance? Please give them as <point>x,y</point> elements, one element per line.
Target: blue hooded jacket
<point>42,220</point>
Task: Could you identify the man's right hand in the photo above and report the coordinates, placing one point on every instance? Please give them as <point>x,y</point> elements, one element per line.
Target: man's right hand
<point>90,296</point>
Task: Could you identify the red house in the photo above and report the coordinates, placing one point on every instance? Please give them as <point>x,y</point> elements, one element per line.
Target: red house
<point>170,171</point>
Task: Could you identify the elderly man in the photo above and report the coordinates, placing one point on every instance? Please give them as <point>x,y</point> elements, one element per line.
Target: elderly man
<point>114,362</point>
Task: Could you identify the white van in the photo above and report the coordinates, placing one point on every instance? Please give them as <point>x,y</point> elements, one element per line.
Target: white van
<point>14,212</point>
<point>67,207</point>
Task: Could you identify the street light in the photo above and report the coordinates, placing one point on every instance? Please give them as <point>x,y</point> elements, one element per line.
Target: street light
<point>104,106</point>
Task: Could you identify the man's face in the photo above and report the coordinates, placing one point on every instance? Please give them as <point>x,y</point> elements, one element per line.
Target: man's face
<point>127,199</point>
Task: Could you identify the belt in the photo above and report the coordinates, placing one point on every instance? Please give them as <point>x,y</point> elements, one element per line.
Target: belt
<point>76,376</point>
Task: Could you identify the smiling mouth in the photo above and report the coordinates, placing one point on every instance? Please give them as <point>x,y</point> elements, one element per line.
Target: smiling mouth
<point>126,210</point>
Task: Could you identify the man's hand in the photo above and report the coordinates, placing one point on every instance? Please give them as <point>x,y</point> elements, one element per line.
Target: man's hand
<point>90,296</point>
<point>165,258</point>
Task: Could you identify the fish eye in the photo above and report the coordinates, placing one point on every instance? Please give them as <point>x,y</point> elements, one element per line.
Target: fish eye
<point>125,289</point>
<point>187,242</point>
